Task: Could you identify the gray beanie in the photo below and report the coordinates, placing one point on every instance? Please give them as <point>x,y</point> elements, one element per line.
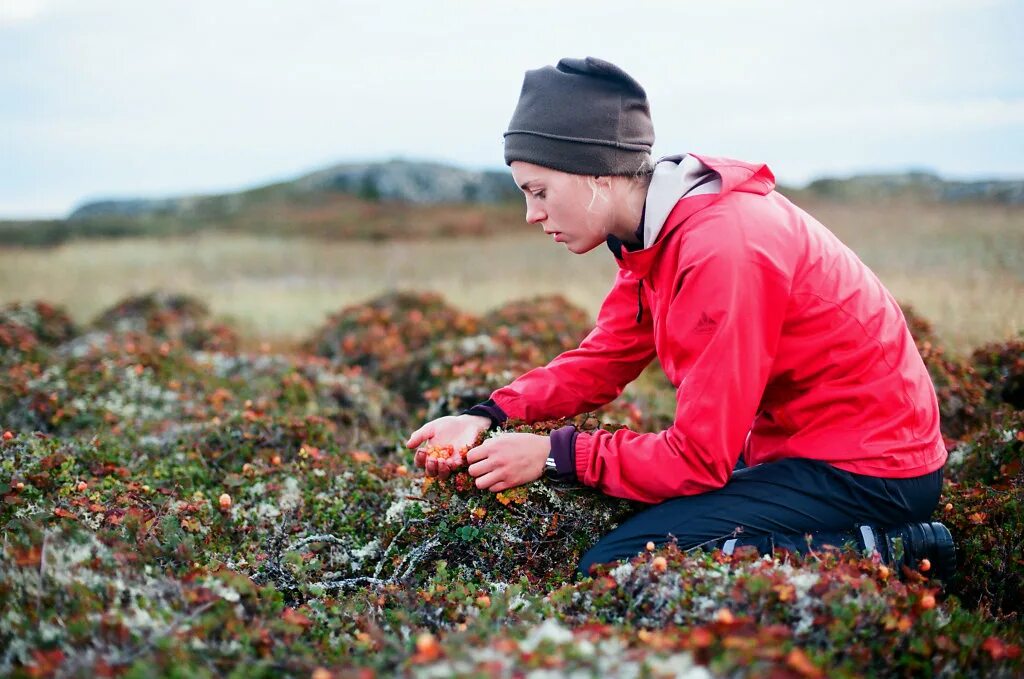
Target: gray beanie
<point>584,116</point>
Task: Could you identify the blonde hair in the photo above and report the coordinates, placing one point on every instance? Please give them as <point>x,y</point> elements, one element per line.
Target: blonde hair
<point>642,176</point>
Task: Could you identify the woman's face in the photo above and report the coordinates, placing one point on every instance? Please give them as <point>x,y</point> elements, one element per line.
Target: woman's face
<point>565,205</point>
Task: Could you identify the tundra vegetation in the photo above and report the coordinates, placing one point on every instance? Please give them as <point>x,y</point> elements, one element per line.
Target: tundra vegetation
<point>176,505</point>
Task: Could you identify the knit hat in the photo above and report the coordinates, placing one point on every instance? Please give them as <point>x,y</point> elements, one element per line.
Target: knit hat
<point>584,116</point>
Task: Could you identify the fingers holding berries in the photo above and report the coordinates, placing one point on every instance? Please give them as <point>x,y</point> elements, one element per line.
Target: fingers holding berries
<point>454,433</point>
<point>441,461</point>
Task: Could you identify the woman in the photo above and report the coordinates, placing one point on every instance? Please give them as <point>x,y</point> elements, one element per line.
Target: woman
<point>803,405</point>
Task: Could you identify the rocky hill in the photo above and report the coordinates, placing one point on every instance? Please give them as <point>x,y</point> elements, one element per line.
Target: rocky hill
<point>394,180</point>
<point>921,185</point>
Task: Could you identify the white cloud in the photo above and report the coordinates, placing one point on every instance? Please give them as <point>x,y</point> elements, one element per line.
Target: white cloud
<point>890,117</point>
<point>18,11</point>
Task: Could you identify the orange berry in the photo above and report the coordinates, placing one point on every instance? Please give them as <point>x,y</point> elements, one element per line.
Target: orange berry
<point>483,601</point>
<point>20,485</point>
<point>659,564</point>
<point>883,572</point>
<point>925,565</point>
<point>225,501</point>
<point>276,460</point>
<point>427,646</point>
<point>8,435</point>
<point>928,602</point>
<point>725,616</point>
<point>650,546</point>
<point>440,452</point>
<point>82,485</point>
<point>321,673</point>
<point>949,506</point>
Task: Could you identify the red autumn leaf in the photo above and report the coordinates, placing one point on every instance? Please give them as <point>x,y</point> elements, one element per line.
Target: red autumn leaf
<point>999,649</point>
<point>799,662</point>
<point>29,557</point>
<point>52,461</point>
<point>701,638</point>
<point>361,456</point>
<point>293,617</point>
<point>46,662</point>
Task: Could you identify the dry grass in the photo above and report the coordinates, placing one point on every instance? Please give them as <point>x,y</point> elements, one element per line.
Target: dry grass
<point>961,266</point>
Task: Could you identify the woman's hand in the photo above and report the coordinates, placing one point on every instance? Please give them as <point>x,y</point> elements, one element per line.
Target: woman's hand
<point>457,431</point>
<point>509,460</point>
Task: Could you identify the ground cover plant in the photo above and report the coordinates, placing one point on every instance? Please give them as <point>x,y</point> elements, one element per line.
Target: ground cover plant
<point>175,506</point>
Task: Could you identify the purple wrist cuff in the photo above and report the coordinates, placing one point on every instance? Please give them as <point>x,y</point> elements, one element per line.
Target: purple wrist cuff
<point>563,451</point>
<point>490,410</point>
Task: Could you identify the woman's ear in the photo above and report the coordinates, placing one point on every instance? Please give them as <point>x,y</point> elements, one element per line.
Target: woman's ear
<point>604,180</point>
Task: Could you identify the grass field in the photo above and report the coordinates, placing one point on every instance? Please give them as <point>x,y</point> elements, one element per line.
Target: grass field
<point>961,266</point>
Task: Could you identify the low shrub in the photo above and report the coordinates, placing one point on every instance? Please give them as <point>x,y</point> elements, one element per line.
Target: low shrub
<point>174,510</point>
<point>1001,364</point>
<point>168,316</point>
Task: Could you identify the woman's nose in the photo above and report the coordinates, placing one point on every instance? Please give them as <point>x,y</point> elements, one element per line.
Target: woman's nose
<point>534,215</point>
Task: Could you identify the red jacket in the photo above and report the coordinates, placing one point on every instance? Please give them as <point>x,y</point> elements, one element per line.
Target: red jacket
<point>779,341</point>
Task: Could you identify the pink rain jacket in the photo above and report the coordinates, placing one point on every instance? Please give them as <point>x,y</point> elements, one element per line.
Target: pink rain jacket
<point>779,341</point>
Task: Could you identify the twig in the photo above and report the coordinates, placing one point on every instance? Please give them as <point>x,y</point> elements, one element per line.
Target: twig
<point>414,557</point>
<point>391,545</point>
<point>349,583</point>
<point>175,623</point>
<point>42,568</point>
<point>325,538</point>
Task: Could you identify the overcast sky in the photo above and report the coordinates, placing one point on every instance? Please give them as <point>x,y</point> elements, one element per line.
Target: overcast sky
<point>102,98</point>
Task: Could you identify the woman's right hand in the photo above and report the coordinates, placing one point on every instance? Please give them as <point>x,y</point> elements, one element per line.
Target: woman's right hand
<point>458,431</point>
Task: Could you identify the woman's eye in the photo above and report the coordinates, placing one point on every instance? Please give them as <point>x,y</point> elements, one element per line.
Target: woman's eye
<point>539,194</point>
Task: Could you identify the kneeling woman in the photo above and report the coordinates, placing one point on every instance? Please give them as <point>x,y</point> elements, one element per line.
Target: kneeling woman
<point>803,405</point>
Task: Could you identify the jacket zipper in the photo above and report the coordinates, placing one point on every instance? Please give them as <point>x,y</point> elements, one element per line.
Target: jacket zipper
<point>639,302</point>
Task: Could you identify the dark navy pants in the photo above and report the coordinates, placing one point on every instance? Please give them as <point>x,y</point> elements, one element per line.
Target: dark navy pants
<point>787,499</point>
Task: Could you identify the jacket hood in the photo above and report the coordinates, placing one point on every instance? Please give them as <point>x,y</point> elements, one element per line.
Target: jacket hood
<point>682,176</point>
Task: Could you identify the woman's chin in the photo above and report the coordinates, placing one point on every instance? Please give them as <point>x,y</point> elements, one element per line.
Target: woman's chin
<point>580,246</point>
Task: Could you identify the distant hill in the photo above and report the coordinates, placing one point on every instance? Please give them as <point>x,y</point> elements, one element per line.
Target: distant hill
<point>422,183</point>
<point>920,185</point>
<point>410,199</point>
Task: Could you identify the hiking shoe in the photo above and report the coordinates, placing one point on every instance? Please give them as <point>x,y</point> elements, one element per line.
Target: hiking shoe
<point>910,543</point>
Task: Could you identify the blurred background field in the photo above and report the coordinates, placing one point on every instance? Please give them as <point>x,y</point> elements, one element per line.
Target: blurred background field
<point>960,265</point>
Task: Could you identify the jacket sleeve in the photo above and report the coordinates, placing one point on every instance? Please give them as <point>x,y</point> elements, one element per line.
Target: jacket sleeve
<point>723,325</point>
<point>614,353</point>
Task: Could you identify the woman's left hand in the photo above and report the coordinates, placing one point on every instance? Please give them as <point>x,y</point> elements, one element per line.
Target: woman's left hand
<point>508,460</point>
